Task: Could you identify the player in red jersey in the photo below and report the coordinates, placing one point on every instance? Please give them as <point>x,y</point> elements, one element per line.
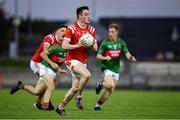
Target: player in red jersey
<point>35,64</point>
<point>77,57</point>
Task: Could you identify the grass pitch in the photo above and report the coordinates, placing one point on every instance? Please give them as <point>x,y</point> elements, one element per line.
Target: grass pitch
<point>121,105</point>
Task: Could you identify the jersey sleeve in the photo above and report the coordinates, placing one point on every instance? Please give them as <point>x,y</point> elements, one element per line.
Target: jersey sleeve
<point>124,47</point>
<point>94,35</point>
<point>47,40</point>
<point>102,48</point>
<point>68,34</point>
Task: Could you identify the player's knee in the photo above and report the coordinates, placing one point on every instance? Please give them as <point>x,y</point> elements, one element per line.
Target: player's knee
<point>110,86</point>
<point>109,91</point>
<point>87,76</point>
<point>51,87</point>
<point>36,92</point>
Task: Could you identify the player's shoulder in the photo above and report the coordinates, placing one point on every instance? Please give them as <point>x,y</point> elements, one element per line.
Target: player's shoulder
<point>91,28</point>
<point>49,38</point>
<point>72,27</point>
<point>120,39</point>
<point>105,41</point>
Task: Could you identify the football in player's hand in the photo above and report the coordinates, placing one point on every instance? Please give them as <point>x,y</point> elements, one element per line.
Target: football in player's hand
<point>88,38</point>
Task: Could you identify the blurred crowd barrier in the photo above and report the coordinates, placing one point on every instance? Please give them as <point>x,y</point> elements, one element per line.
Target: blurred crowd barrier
<point>137,75</point>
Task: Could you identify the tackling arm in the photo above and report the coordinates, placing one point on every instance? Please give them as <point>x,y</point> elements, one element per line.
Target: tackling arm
<point>44,56</point>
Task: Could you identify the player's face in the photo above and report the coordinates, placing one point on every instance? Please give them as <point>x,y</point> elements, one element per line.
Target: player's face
<point>85,17</point>
<point>61,32</point>
<point>112,33</point>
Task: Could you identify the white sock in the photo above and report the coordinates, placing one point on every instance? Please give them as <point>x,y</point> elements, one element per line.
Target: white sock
<point>79,96</point>
<point>61,107</point>
<point>97,105</point>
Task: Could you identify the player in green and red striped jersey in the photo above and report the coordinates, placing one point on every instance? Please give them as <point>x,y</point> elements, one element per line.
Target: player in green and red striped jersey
<point>109,53</point>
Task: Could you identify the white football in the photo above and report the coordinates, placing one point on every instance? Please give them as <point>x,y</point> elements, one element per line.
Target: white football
<point>88,38</point>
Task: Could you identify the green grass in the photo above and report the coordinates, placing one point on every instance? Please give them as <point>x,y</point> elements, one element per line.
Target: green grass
<point>121,105</point>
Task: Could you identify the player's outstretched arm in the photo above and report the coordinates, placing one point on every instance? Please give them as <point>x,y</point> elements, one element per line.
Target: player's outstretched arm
<point>130,57</point>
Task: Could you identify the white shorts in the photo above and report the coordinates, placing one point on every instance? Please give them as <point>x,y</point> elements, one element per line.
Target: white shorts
<point>109,72</point>
<point>35,66</point>
<point>70,65</point>
<point>46,71</point>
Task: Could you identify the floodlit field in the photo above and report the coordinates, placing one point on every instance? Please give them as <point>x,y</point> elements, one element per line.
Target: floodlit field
<point>121,105</point>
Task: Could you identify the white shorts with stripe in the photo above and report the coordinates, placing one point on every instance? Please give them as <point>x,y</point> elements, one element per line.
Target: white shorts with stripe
<point>46,71</point>
<point>71,63</point>
<point>35,66</point>
<point>109,72</point>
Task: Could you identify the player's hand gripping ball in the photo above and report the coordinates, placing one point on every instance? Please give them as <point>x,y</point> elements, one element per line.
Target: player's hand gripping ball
<point>88,38</point>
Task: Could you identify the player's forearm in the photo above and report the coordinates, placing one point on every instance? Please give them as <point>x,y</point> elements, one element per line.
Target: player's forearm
<point>69,46</point>
<point>44,56</point>
<point>100,57</point>
<point>130,57</point>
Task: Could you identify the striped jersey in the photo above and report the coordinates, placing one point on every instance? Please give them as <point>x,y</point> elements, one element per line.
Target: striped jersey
<point>114,50</point>
<point>74,33</point>
<point>49,39</point>
<point>57,54</point>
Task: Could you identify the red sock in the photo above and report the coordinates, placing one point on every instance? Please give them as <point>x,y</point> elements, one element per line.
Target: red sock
<point>62,105</point>
<point>45,106</point>
<point>100,102</point>
<point>38,101</point>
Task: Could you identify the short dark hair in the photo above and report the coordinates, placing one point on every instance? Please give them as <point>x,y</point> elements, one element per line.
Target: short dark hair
<point>80,9</point>
<point>62,26</point>
<point>114,25</point>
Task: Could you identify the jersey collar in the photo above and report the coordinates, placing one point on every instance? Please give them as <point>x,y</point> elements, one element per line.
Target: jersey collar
<point>80,25</point>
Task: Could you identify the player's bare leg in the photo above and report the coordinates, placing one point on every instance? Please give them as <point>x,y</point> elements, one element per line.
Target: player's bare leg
<point>69,95</point>
<point>37,103</point>
<point>40,86</point>
<point>85,76</point>
<point>109,84</point>
<point>49,80</point>
<point>37,90</point>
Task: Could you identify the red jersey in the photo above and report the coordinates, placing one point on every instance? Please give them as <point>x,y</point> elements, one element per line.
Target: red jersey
<point>49,39</point>
<point>73,33</point>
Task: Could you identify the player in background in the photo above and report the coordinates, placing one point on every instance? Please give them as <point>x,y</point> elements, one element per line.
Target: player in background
<point>77,57</point>
<point>35,64</point>
<point>109,53</point>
